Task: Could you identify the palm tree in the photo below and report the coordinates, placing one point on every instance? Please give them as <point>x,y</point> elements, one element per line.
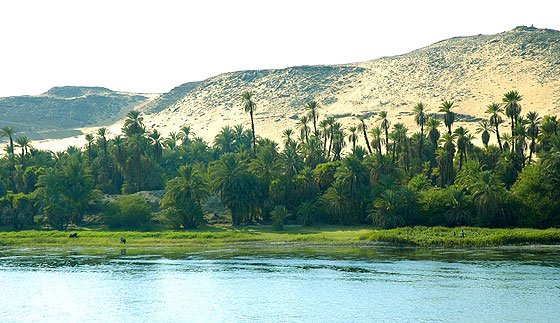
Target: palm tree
<point>462,143</point>
<point>250,106</point>
<point>290,160</point>
<point>224,139</point>
<point>185,134</point>
<point>513,108</point>
<point>420,118</point>
<point>171,141</point>
<point>445,160</point>
<point>324,125</point>
<point>484,128</point>
<point>363,128</point>
<point>287,134</point>
<point>102,140</point>
<point>433,132</point>
<point>533,131</point>
<point>352,137</point>
<point>507,142</point>
<point>23,143</point>
<point>488,194</point>
<point>133,124</point>
<point>303,128</point>
<point>312,106</point>
<point>157,142</point>
<point>385,124</point>
<point>386,210</point>
<point>458,207</point>
<point>89,140</point>
<point>9,132</point>
<point>495,112</point>
<point>449,116</point>
<point>331,122</point>
<point>230,178</point>
<point>376,138</point>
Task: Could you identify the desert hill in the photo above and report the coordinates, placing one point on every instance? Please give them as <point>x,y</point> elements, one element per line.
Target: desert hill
<point>473,71</point>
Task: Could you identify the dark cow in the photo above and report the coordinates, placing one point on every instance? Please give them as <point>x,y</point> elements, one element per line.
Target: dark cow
<point>123,240</point>
<point>74,235</point>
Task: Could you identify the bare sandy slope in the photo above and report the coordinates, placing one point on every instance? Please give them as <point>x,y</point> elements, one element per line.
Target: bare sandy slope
<point>472,71</point>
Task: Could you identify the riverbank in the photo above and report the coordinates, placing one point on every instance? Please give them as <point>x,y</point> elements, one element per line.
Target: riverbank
<point>265,235</point>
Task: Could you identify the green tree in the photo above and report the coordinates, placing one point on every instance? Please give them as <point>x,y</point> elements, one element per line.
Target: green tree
<point>385,125</point>
<point>420,118</point>
<point>495,111</point>
<point>250,106</point>
<point>513,109</point>
<point>363,128</point>
<point>129,212</point>
<point>448,115</point>
<point>312,106</point>
<point>484,128</point>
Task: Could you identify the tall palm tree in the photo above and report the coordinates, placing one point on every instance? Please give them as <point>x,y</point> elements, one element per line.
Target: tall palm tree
<point>376,138</point>
<point>324,125</point>
<point>385,124</point>
<point>10,132</point>
<point>513,108</point>
<point>250,106</point>
<point>495,111</point>
<point>533,131</point>
<point>352,137</point>
<point>363,128</point>
<point>23,143</point>
<point>433,132</point>
<point>445,160</point>
<point>484,128</point>
<point>89,139</point>
<point>102,140</point>
<point>420,118</point>
<point>312,106</point>
<point>461,135</point>
<point>303,128</point>
<point>331,122</point>
<point>449,116</point>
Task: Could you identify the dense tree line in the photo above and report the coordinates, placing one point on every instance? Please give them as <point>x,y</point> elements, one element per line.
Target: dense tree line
<point>319,173</point>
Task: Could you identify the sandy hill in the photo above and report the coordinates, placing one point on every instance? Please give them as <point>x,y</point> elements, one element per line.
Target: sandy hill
<point>472,71</point>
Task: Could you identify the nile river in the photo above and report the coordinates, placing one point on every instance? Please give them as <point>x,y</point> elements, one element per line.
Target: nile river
<point>251,284</point>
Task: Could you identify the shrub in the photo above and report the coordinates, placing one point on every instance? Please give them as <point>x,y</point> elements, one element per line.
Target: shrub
<point>129,211</point>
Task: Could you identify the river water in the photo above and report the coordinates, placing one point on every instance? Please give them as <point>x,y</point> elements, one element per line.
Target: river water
<point>252,284</point>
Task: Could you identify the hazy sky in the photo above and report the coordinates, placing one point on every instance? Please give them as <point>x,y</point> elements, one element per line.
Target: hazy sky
<point>153,46</point>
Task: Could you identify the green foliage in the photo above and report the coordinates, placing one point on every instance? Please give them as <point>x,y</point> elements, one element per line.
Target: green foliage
<point>279,216</point>
<point>128,212</point>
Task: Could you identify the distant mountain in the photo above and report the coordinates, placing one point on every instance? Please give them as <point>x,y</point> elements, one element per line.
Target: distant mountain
<point>60,110</point>
<point>472,71</point>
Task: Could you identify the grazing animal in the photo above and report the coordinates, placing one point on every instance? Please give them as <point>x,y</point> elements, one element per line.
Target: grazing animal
<point>123,240</point>
<point>74,235</point>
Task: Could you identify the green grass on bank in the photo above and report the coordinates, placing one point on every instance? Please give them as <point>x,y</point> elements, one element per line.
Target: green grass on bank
<point>474,237</point>
<point>209,235</point>
<point>327,235</point>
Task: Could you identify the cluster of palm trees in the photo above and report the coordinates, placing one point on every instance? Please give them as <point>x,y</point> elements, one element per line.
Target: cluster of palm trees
<point>397,178</point>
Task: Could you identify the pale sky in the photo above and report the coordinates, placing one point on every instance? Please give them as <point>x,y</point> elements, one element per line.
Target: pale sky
<point>153,46</point>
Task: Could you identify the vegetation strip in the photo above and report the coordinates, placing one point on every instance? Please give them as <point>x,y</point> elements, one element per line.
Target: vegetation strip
<point>324,235</point>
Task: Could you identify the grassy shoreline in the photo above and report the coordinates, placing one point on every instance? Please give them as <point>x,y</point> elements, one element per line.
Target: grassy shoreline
<point>264,235</point>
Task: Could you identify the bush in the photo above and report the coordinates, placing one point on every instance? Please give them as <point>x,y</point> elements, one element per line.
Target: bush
<point>279,215</point>
<point>130,212</point>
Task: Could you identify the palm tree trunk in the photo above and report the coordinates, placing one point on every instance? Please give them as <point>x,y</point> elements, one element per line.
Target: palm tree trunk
<point>253,128</point>
<point>531,149</point>
<point>367,141</point>
<point>498,135</point>
<point>421,141</point>
<point>387,141</point>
